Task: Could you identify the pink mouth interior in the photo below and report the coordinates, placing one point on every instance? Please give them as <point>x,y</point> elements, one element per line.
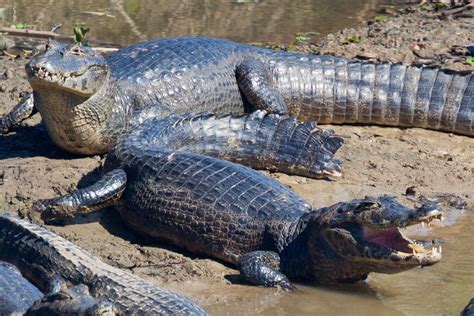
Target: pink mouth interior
<point>388,238</point>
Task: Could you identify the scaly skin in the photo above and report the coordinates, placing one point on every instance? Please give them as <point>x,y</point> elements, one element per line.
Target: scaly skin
<point>16,293</point>
<point>260,141</point>
<point>228,211</point>
<point>87,101</point>
<point>40,254</point>
<point>19,297</point>
<point>469,309</point>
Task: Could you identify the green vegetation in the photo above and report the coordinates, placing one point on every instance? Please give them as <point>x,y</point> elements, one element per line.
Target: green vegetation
<point>301,37</point>
<point>20,25</point>
<point>440,4</point>
<point>304,36</point>
<point>425,6</point>
<point>380,18</point>
<point>80,35</point>
<point>351,39</point>
<point>132,6</point>
<point>470,61</point>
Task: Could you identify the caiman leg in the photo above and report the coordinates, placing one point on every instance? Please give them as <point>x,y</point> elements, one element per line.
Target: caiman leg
<point>99,195</point>
<point>20,112</point>
<point>76,300</point>
<point>255,82</point>
<point>261,268</point>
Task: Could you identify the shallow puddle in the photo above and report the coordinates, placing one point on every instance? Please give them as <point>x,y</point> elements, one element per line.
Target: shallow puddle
<point>443,289</point>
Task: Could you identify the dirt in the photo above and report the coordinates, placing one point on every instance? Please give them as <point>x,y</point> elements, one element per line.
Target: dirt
<point>421,35</point>
<point>376,161</point>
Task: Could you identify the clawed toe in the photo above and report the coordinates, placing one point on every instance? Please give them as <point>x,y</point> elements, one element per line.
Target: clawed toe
<point>51,209</point>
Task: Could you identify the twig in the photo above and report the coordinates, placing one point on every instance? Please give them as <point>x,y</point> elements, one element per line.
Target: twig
<point>458,10</point>
<point>56,27</point>
<point>8,54</point>
<point>105,50</point>
<point>46,34</point>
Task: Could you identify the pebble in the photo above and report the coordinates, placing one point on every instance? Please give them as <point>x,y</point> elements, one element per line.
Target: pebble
<point>410,191</point>
<point>8,74</point>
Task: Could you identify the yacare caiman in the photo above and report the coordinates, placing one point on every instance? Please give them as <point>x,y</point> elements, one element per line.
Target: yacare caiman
<point>87,101</point>
<point>18,296</point>
<point>49,261</point>
<point>164,184</point>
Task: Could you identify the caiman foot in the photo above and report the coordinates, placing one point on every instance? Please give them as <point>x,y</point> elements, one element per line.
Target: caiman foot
<point>261,268</point>
<point>255,82</point>
<point>99,195</point>
<point>76,300</point>
<point>62,207</point>
<point>20,112</point>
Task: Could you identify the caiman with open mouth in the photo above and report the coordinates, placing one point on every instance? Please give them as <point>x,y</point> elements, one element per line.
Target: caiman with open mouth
<point>164,184</point>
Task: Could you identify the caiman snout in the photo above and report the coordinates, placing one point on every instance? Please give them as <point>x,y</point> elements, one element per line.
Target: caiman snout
<point>72,68</point>
<point>43,71</point>
<point>368,233</point>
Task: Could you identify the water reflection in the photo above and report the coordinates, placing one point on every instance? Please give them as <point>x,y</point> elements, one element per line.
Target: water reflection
<point>356,299</point>
<point>443,289</point>
<point>128,21</point>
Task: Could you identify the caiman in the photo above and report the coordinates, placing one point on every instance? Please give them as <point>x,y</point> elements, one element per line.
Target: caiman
<point>469,309</point>
<point>42,256</point>
<point>165,184</point>
<point>20,297</point>
<point>17,294</point>
<point>88,102</point>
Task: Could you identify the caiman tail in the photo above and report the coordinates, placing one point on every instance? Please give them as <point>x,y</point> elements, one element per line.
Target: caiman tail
<point>259,140</point>
<point>338,90</point>
<point>41,254</point>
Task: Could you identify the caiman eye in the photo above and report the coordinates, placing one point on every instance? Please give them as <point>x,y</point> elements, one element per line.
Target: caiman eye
<point>39,49</point>
<point>76,50</point>
<point>366,205</point>
<point>50,44</point>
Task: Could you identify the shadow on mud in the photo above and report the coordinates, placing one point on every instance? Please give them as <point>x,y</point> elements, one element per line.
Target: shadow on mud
<point>30,141</point>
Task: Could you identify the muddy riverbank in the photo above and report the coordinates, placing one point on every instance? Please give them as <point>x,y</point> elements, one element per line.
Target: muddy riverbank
<point>376,161</point>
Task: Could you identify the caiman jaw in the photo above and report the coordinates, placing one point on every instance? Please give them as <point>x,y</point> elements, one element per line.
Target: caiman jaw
<point>333,174</point>
<point>402,249</point>
<point>42,73</point>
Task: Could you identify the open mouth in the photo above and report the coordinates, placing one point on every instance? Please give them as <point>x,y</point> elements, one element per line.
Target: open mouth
<point>402,248</point>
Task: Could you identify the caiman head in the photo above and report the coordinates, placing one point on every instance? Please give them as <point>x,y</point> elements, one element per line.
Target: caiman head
<point>349,240</point>
<point>74,69</point>
<point>72,94</point>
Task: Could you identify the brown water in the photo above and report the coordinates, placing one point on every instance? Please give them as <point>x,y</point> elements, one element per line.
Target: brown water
<point>442,289</point>
<point>128,21</point>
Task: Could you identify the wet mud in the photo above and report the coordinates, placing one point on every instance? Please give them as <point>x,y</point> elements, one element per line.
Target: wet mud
<point>376,161</point>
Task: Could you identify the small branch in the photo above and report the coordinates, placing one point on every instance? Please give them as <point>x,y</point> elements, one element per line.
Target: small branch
<point>458,10</point>
<point>118,5</point>
<point>105,50</point>
<point>56,27</point>
<point>46,34</point>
